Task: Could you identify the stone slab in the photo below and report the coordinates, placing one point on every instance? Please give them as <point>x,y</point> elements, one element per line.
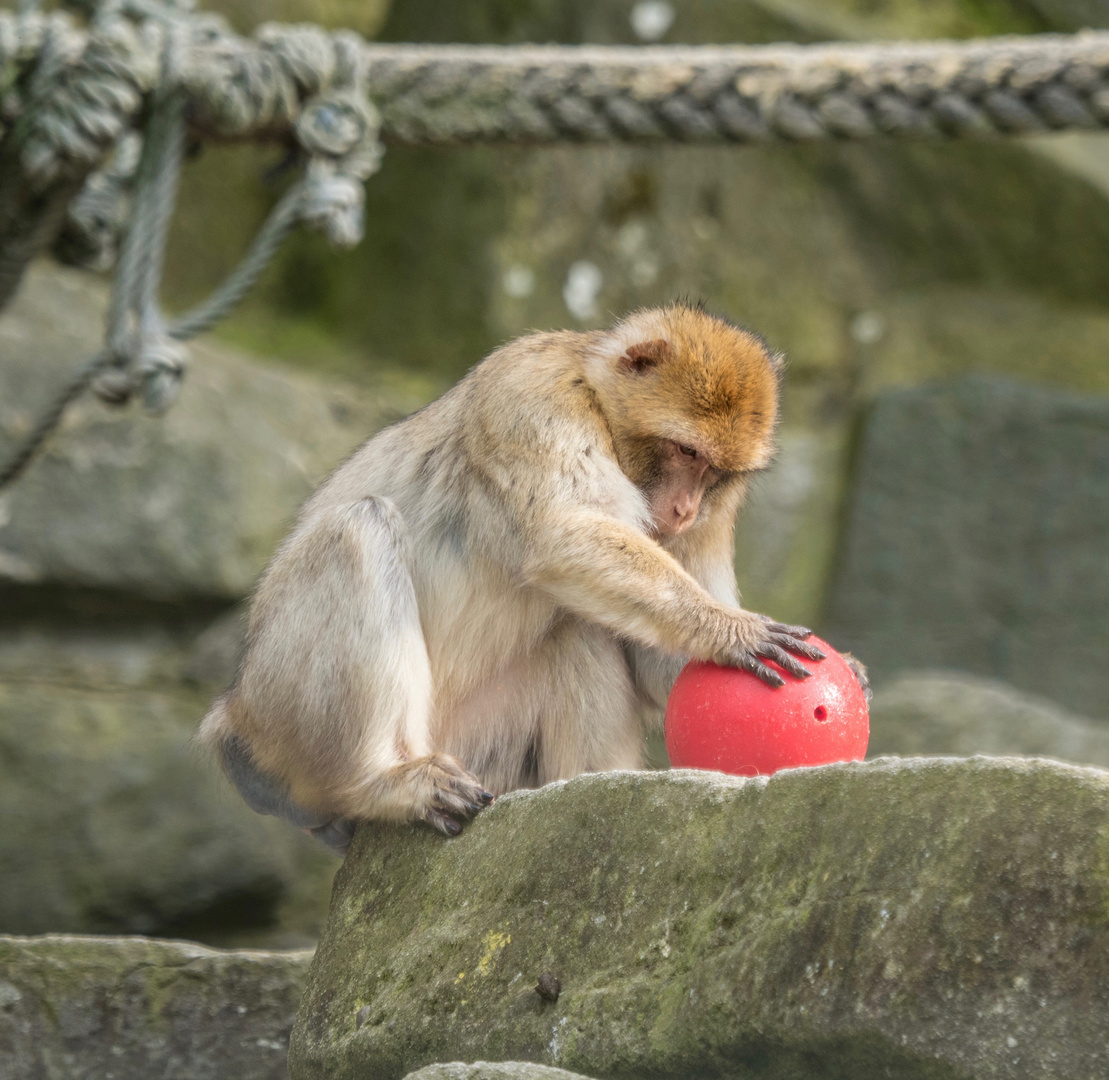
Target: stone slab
<point>977,539</point>
<point>89,1008</point>
<point>920,918</point>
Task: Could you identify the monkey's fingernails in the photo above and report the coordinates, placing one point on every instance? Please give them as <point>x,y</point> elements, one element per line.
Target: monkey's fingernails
<point>768,676</point>
<point>444,823</point>
<point>809,651</point>
<point>486,798</point>
<point>801,632</point>
<point>784,660</point>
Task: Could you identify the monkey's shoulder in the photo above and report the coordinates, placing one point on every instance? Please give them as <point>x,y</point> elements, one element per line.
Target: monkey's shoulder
<point>535,389</point>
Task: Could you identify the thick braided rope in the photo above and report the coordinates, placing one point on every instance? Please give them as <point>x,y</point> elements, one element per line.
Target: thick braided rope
<point>741,94</point>
<point>251,88</point>
<point>83,94</point>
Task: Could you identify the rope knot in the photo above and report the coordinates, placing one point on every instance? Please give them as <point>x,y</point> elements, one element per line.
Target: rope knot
<point>339,131</point>
<point>152,366</point>
<point>334,203</point>
<point>160,367</point>
<point>333,125</point>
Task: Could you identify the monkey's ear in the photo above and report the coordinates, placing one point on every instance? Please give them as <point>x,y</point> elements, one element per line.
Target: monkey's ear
<point>644,355</point>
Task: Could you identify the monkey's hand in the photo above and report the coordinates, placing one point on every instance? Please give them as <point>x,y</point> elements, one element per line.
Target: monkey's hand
<point>764,639</point>
<point>858,669</point>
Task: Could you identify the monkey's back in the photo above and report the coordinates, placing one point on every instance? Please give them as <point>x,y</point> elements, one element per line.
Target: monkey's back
<point>468,473</point>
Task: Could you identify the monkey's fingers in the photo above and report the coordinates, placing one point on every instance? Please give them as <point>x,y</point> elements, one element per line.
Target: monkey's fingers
<point>800,632</point>
<point>802,648</point>
<point>452,809</point>
<point>455,803</point>
<point>751,663</point>
<point>471,791</point>
<point>770,651</point>
<point>467,788</point>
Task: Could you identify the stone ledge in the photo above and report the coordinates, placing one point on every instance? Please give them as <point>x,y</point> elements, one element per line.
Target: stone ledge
<point>934,917</point>
<point>90,1008</point>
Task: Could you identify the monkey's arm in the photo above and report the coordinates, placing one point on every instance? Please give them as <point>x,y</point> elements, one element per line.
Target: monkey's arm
<point>612,574</point>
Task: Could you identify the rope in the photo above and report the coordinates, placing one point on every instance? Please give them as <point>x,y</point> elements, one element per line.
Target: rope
<point>741,94</point>
<point>281,221</point>
<point>52,416</point>
<point>336,128</point>
<point>254,87</point>
<point>75,94</point>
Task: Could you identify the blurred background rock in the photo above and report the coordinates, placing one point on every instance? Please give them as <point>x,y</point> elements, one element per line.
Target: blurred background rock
<point>127,548</point>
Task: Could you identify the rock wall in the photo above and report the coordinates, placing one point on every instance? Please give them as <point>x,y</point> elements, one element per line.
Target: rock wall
<point>113,823</point>
<point>976,538</point>
<point>177,507</point>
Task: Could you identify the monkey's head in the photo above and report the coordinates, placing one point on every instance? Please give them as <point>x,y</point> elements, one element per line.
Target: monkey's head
<point>692,403</point>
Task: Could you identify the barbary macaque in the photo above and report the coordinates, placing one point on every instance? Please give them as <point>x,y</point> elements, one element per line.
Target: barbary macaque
<point>500,590</point>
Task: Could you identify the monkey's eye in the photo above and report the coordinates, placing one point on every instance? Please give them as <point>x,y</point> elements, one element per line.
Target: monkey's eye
<point>688,451</point>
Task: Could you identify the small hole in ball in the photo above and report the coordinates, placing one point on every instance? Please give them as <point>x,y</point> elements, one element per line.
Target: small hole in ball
<point>820,713</point>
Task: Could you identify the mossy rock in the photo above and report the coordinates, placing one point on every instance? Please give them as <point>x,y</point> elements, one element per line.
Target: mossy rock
<point>920,918</point>
<point>186,505</point>
<point>83,1008</point>
<point>113,822</point>
<point>948,712</point>
<point>493,1070</point>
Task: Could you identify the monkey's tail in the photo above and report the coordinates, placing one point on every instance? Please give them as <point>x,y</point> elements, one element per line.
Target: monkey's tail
<point>216,725</point>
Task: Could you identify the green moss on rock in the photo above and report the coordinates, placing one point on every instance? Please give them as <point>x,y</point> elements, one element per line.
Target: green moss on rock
<point>113,822</point>
<point>935,918</point>
<point>79,1008</point>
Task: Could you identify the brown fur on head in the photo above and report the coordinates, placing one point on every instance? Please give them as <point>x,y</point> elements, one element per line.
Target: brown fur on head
<point>691,401</point>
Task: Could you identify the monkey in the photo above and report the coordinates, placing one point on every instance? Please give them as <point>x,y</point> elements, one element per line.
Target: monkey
<point>499,591</point>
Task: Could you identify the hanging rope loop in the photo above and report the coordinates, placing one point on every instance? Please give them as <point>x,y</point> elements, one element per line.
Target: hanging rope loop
<point>338,129</point>
<point>144,360</point>
<point>301,74</point>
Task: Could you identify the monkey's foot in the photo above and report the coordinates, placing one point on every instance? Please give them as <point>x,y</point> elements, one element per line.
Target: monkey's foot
<point>451,795</point>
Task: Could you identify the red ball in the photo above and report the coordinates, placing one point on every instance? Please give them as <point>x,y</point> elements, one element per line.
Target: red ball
<point>730,720</point>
